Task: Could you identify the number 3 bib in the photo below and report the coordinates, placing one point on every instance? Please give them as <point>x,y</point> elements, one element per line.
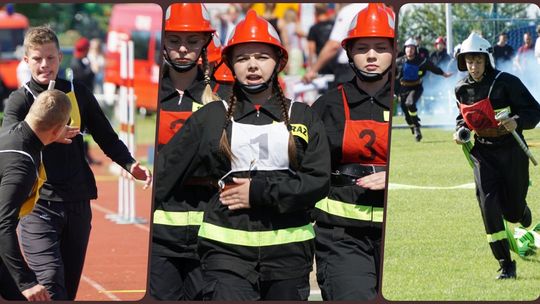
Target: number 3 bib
<point>364,141</point>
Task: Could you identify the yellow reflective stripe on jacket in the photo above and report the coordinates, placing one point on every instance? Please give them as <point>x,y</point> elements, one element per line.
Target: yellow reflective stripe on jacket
<point>352,211</point>
<point>32,199</point>
<point>301,131</point>
<point>178,218</point>
<point>256,238</point>
<point>501,235</point>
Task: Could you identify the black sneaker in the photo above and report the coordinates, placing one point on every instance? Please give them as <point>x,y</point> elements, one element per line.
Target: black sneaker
<point>508,270</point>
<point>417,134</point>
<point>526,219</point>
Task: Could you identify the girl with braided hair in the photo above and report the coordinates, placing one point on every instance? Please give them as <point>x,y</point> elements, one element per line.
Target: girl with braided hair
<point>270,159</point>
<point>186,86</point>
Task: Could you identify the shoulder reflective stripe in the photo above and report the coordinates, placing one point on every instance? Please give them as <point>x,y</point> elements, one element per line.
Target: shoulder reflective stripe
<point>256,238</point>
<point>357,212</point>
<point>20,152</point>
<point>501,235</point>
<point>301,131</point>
<point>195,106</point>
<point>176,218</point>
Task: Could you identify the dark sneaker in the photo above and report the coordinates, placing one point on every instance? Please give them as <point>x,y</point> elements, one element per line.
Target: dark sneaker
<point>417,134</point>
<point>508,270</point>
<point>526,219</point>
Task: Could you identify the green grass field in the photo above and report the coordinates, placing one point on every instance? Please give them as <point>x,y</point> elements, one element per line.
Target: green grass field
<point>435,242</point>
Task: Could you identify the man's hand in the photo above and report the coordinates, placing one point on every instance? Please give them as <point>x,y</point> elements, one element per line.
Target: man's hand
<point>375,181</point>
<point>141,173</point>
<point>236,197</point>
<point>69,133</point>
<point>446,75</point>
<point>509,124</point>
<point>36,293</point>
<point>309,76</point>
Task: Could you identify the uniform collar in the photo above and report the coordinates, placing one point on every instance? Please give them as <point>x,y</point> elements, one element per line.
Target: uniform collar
<point>37,88</point>
<point>245,107</point>
<point>194,91</point>
<point>355,95</point>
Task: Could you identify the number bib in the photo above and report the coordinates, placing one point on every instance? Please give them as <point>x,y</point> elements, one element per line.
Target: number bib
<point>267,145</point>
<point>480,115</point>
<point>364,141</point>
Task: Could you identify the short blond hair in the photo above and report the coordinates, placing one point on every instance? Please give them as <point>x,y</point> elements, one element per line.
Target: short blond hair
<point>50,110</point>
<point>38,36</point>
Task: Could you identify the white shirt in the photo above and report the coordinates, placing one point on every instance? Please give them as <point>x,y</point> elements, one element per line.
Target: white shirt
<point>342,25</point>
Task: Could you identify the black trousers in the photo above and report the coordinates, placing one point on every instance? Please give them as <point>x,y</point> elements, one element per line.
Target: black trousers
<point>348,262</point>
<point>222,285</point>
<point>8,287</point>
<point>175,278</point>
<point>54,239</point>
<point>408,97</point>
<point>501,175</point>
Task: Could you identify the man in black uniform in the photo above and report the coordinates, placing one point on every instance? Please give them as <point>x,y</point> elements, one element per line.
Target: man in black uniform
<point>502,51</point>
<point>411,68</point>
<point>55,235</point>
<point>20,158</point>
<point>501,168</point>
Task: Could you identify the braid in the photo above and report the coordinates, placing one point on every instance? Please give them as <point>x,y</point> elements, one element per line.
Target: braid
<point>224,144</point>
<point>208,95</point>
<point>285,104</point>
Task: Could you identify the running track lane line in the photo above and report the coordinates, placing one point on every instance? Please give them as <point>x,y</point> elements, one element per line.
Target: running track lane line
<point>93,283</point>
<point>100,288</point>
<point>107,211</point>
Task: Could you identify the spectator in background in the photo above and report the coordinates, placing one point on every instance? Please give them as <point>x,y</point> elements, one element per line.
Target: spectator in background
<point>422,51</point>
<point>80,64</point>
<point>270,16</point>
<point>97,64</point>
<point>525,55</point>
<point>23,71</point>
<point>502,51</point>
<point>440,56</point>
<point>537,45</point>
<point>318,35</point>
<point>292,35</point>
<point>332,47</point>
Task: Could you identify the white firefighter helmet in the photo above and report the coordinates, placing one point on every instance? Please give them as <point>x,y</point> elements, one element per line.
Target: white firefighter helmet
<point>474,44</point>
<point>457,48</point>
<point>410,42</point>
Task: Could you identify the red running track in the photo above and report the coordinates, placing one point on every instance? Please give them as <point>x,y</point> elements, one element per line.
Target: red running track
<point>117,258</point>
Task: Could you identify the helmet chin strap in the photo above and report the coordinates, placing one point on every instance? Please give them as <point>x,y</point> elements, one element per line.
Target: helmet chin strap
<point>180,68</point>
<point>366,76</point>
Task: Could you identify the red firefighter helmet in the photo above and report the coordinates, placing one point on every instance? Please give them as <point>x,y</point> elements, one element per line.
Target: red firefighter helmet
<point>187,17</point>
<point>213,51</point>
<point>440,39</point>
<point>255,29</point>
<point>373,21</point>
<point>223,74</point>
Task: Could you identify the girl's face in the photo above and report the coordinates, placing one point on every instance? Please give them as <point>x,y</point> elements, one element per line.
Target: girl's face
<point>253,63</point>
<point>476,65</point>
<point>184,47</point>
<point>372,55</point>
